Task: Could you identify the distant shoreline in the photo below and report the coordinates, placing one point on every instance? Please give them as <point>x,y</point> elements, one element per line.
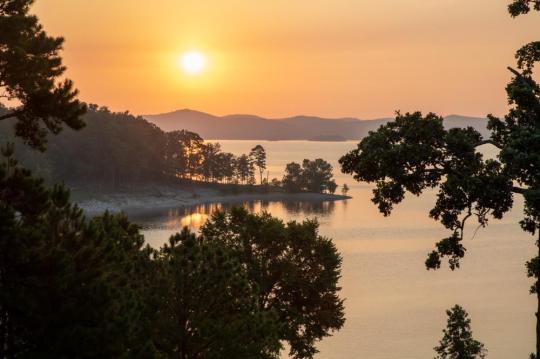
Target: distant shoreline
<point>165,197</point>
<point>296,128</point>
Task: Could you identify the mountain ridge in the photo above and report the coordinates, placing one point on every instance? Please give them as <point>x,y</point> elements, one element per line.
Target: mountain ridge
<point>299,127</point>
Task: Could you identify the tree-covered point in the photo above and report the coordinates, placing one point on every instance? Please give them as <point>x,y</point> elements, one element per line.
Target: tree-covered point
<point>117,148</point>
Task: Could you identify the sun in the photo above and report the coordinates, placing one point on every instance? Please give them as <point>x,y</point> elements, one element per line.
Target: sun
<point>192,62</point>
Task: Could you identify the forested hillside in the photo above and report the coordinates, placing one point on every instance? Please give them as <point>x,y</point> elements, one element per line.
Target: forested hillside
<point>117,149</point>
<point>111,149</point>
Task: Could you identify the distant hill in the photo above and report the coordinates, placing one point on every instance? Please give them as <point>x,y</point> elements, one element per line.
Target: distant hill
<point>250,127</point>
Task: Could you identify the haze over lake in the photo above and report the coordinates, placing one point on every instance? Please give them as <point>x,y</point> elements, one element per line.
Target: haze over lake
<point>394,306</point>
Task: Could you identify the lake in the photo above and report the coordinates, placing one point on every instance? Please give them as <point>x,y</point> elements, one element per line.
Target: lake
<point>395,308</point>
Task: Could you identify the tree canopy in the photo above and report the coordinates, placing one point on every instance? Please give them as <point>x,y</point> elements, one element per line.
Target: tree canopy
<point>30,70</point>
<point>519,7</point>
<point>295,269</point>
<point>50,254</point>
<point>206,305</point>
<point>118,149</point>
<point>312,176</point>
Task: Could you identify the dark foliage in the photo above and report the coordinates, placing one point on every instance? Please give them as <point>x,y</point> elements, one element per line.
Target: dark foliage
<point>312,176</point>
<point>30,68</point>
<point>519,7</point>
<point>68,287</point>
<point>295,269</point>
<point>457,342</point>
<point>206,305</point>
<point>118,149</point>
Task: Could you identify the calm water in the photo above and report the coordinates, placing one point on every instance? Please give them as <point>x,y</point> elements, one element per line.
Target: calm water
<point>394,307</point>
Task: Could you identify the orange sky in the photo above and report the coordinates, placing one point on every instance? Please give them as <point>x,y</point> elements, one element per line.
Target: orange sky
<point>335,58</point>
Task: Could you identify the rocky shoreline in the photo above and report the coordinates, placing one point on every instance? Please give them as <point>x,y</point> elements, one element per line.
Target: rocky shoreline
<point>159,198</point>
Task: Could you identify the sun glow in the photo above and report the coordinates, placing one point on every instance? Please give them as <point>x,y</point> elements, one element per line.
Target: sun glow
<point>192,62</point>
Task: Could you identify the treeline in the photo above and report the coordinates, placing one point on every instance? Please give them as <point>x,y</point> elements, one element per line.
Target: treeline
<point>117,149</point>
<point>188,156</point>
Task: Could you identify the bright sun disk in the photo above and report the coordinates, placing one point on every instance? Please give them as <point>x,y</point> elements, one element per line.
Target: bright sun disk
<point>193,62</point>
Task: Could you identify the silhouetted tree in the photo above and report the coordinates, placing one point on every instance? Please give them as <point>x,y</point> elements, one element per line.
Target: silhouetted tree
<point>210,161</point>
<point>245,169</point>
<point>175,155</point>
<point>275,183</point>
<point>227,166</point>
<point>457,342</point>
<point>69,287</point>
<point>30,70</point>
<point>317,176</point>
<point>414,153</point>
<point>295,269</point>
<point>331,187</point>
<point>207,306</point>
<point>344,189</point>
<point>258,154</point>
<point>292,179</point>
<point>192,143</point>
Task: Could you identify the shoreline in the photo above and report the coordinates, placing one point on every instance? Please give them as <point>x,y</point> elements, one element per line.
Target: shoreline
<point>163,198</point>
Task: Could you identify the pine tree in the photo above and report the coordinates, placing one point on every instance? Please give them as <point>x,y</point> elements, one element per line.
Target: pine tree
<point>69,287</point>
<point>30,69</point>
<point>258,156</point>
<point>457,342</point>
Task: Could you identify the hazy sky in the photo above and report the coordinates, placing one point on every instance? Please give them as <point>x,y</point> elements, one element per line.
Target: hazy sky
<point>362,58</point>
